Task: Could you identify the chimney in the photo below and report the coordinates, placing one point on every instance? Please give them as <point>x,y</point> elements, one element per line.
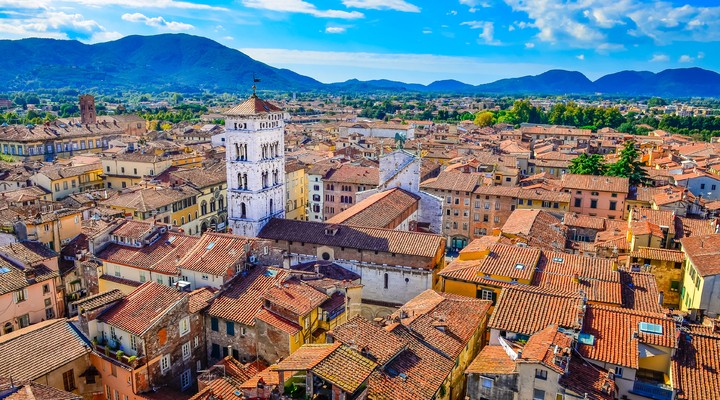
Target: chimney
<point>576,278</point>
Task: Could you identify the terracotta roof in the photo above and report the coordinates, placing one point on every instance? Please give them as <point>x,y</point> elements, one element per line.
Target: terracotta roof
<point>614,328</point>
<point>117,279</point>
<point>133,229</point>
<point>378,210</point>
<point>354,174</point>
<point>415,373</point>
<point>595,183</point>
<point>295,296</point>
<point>571,273</point>
<point>216,254</point>
<point>543,346</point>
<point>200,298</point>
<point>345,368</point>
<point>25,351</point>
<point>640,292</point>
<point>537,227</point>
<point>28,252</point>
<point>652,253</point>
<point>253,106</point>
<point>146,199</point>
<point>510,261</point>
<point>14,278</point>
<point>306,357</point>
<point>162,255</point>
<point>695,366</point>
<point>277,322</point>
<point>355,237</point>
<point>662,218</point>
<point>527,310</point>
<point>588,380</point>
<point>242,299</point>
<point>454,181</point>
<point>704,253</point>
<point>380,345</point>
<point>99,300</point>
<point>583,221</point>
<point>687,227</point>
<point>492,360</point>
<point>29,390</point>
<point>141,309</point>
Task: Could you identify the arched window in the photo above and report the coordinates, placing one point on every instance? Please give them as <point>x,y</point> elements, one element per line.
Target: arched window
<point>243,211</point>
<point>221,202</point>
<point>203,207</point>
<point>7,328</point>
<point>386,280</point>
<point>271,207</point>
<point>182,220</point>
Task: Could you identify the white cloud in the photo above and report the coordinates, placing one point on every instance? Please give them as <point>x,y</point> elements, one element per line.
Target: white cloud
<point>660,58</point>
<point>397,5</point>
<point>49,24</point>
<point>488,31</point>
<point>103,36</point>
<point>426,31</point>
<point>511,28</point>
<point>586,23</point>
<point>302,7</point>
<point>228,38</point>
<point>686,59</point>
<point>529,45</point>
<point>580,57</point>
<point>475,4</point>
<point>135,4</point>
<point>335,29</point>
<point>700,55</point>
<point>452,12</point>
<point>157,22</point>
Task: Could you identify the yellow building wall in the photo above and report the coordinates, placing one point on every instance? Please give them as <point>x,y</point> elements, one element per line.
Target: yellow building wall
<point>105,285</point>
<point>295,185</point>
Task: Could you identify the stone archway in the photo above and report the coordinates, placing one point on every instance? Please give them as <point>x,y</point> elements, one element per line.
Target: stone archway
<point>203,227</point>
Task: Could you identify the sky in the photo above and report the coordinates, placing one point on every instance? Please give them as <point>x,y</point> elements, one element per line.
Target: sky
<point>418,41</point>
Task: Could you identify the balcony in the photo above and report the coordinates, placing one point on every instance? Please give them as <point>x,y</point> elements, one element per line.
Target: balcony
<point>652,390</point>
<point>117,356</point>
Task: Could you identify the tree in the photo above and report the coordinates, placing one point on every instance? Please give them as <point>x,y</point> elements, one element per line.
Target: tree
<point>588,164</point>
<point>484,118</point>
<point>629,165</point>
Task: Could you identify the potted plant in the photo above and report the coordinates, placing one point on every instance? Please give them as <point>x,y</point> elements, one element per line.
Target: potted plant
<point>132,360</point>
<point>119,354</point>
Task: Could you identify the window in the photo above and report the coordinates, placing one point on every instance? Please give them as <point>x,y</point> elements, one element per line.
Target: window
<point>196,341</point>
<point>618,371</point>
<point>486,218</point>
<point>21,295</point>
<point>487,383</point>
<point>113,369</point>
<point>117,395</point>
<point>133,342</point>
<point>674,286</point>
<point>230,328</point>
<point>647,327</point>
<point>613,195</point>
<point>593,203</point>
<point>594,193</point>
<point>496,219</point>
<point>702,186</point>
<point>186,379</point>
<point>385,281</point>
<point>184,326</point>
<point>486,294</point>
<point>578,202</point>
<point>538,394</point>
<point>243,331</point>
<point>165,363</point>
<point>198,365</point>
<point>46,288</point>
<point>186,353</point>
<point>613,205</point>
<point>142,276</point>
<point>712,187</point>
<point>107,392</point>
<point>215,350</point>
<point>540,374</point>
<point>214,324</point>
<point>69,381</point>
<point>57,187</point>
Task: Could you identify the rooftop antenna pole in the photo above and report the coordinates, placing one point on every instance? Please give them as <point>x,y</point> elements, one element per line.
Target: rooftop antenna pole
<point>254,88</point>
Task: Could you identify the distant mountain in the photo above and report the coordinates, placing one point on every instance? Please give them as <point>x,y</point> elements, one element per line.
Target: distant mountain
<point>185,63</point>
<point>176,62</point>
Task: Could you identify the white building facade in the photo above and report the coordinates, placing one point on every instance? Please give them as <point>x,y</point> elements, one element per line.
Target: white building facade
<point>255,154</point>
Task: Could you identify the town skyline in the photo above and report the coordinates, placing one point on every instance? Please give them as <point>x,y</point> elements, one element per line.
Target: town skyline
<point>412,41</point>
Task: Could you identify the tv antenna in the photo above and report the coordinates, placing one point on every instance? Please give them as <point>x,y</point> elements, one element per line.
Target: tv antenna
<point>254,87</point>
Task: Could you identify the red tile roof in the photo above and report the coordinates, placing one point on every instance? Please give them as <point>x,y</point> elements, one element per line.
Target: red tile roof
<point>543,346</point>
<point>378,210</point>
<point>492,360</point>
<point>640,292</point>
<point>162,256</point>
<point>353,174</point>
<point>380,344</point>
<point>295,296</point>
<point>345,368</point>
<point>141,309</point>
<point>614,329</point>
<point>282,324</point>
<point>527,310</point>
<point>252,106</point>
<point>593,277</point>
<point>695,367</point>
<point>306,357</point>
<point>595,183</point>
<point>704,253</point>
<point>588,380</point>
<point>216,254</point>
<point>242,300</point>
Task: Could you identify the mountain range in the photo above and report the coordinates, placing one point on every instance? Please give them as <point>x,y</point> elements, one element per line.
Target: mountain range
<point>185,63</point>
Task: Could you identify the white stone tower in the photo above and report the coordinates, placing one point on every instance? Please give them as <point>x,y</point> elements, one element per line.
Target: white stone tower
<point>255,153</point>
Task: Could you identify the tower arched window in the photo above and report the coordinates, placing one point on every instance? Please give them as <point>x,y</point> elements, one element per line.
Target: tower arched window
<point>203,207</point>
<point>272,209</point>
<point>243,210</point>
<point>221,202</point>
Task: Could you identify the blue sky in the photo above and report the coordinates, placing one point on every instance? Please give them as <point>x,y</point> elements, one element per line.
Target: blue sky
<point>475,41</point>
